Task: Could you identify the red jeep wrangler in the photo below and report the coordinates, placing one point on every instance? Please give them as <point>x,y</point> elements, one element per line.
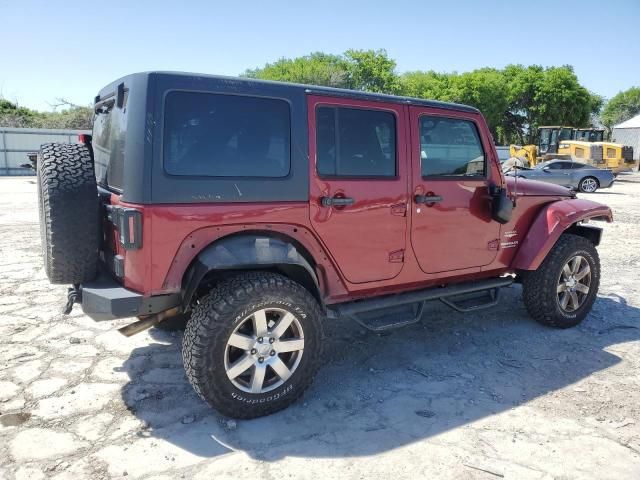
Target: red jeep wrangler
<point>256,209</point>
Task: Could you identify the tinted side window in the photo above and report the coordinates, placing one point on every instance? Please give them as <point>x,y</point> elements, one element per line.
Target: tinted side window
<point>226,135</point>
<point>450,147</point>
<point>559,166</point>
<point>353,142</point>
<point>577,165</point>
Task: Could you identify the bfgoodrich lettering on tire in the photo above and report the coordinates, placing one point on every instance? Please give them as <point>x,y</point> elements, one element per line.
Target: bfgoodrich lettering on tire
<point>252,345</point>
<point>561,292</point>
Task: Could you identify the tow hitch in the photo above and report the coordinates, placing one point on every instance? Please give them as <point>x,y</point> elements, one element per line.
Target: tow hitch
<point>73,295</point>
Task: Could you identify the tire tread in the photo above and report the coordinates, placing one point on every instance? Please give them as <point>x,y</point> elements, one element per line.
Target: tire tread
<point>539,286</point>
<point>69,220</point>
<point>208,326</point>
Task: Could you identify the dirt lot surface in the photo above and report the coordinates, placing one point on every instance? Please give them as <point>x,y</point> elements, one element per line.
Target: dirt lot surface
<point>478,396</point>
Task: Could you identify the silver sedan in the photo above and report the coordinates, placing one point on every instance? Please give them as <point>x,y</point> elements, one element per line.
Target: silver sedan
<point>574,175</point>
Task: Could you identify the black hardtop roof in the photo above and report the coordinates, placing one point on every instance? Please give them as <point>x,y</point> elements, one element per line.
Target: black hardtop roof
<point>313,89</point>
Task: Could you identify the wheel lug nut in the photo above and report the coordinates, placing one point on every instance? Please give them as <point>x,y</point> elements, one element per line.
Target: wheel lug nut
<point>260,339</point>
<point>272,353</point>
<point>261,359</point>
<point>271,340</point>
<point>253,351</point>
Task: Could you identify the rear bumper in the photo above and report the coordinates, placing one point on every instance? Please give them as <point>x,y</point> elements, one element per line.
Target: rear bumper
<point>607,183</point>
<point>105,299</point>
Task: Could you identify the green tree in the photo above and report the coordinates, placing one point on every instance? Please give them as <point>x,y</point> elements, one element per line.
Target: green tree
<point>523,84</point>
<point>563,100</point>
<point>429,84</point>
<point>73,117</point>
<point>485,89</point>
<point>621,107</point>
<point>545,96</point>
<point>372,71</point>
<point>369,70</point>
<point>70,116</point>
<point>11,115</point>
<point>315,69</point>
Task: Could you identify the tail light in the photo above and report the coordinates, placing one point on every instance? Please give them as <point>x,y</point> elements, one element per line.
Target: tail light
<point>128,223</point>
<point>84,138</point>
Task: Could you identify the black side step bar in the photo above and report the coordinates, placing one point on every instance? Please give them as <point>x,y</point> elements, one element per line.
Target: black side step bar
<point>418,298</point>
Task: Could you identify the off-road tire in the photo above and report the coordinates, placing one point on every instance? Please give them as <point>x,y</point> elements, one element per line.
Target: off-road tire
<point>69,215</point>
<point>214,319</point>
<point>582,189</point>
<point>540,286</point>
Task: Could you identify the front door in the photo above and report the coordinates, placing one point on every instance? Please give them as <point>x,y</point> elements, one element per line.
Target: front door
<point>452,227</point>
<point>556,172</point>
<point>358,184</point>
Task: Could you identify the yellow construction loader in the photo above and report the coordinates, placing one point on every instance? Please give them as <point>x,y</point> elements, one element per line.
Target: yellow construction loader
<point>615,156</point>
<point>549,138</point>
<point>580,144</point>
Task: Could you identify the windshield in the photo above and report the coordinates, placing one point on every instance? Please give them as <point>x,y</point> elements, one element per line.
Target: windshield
<point>551,136</point>
<point>590,135</point>
<point>503,153</point>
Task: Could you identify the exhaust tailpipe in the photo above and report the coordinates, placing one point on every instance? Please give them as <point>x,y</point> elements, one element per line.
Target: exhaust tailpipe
<point>147,322</point>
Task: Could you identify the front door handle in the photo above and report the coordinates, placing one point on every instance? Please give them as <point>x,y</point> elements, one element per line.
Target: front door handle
<point>336,201</point>
<point>427,198</point>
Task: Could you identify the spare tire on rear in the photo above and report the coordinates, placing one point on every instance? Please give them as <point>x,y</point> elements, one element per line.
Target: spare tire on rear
<point>69,212</point>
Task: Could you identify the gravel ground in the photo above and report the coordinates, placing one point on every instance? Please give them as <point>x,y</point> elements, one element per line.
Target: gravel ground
<point>485,395</point>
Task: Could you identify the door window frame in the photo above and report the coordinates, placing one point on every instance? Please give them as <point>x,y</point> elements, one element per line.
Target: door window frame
<point>315,100</point>
<point>335,107</point>
<point>453,177</point>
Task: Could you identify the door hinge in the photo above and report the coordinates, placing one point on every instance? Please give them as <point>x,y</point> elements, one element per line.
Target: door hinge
<point>399,209</point>
<point>396,256</point>
<point>494,244</point>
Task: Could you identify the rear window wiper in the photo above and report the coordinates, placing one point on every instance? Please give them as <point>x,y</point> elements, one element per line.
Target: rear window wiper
<point>104,106</point>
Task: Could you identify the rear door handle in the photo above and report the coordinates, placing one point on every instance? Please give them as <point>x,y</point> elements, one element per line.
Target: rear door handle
<point>336,201</point>
<point>427,198</point>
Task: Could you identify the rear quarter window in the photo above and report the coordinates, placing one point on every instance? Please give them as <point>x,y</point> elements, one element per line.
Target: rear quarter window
<point>218,135</point>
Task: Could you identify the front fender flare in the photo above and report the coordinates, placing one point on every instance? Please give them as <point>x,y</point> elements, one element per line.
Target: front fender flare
<point>552,221</point>
<point>244,252</point>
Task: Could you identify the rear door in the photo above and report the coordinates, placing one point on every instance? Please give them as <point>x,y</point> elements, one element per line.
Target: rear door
<point>452,227</point>
<point>358,184</point>
<point>577,172</point>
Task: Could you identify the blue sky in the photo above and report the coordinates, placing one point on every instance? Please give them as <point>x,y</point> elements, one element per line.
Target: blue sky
<point>56,49</point>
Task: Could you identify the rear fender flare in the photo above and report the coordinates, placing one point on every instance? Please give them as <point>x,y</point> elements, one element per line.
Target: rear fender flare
<point>553,220</point>
<point>246,252</point>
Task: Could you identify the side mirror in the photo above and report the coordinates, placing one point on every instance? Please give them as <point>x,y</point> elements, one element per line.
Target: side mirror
<point>545,169</point>
<point>501,207</point>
